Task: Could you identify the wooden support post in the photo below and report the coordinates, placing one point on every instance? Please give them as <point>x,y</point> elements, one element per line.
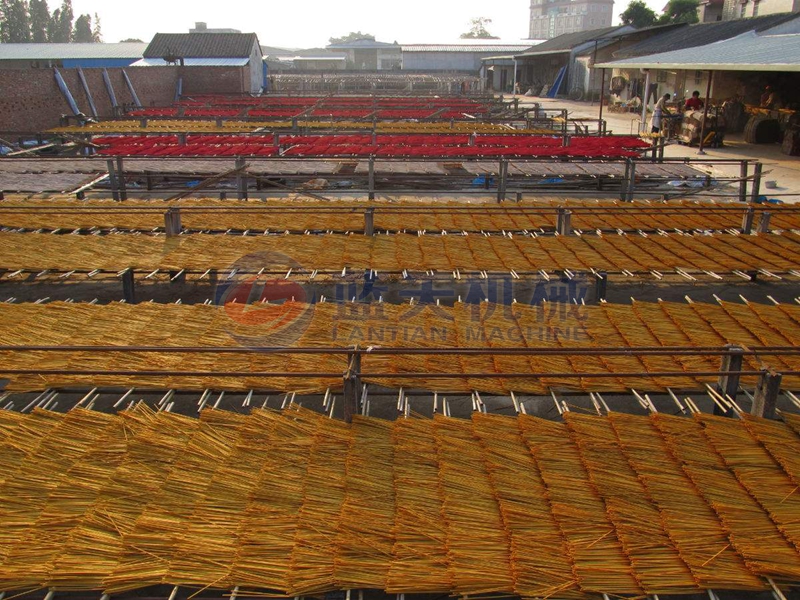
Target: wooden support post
<point>218,122</point>
<point>123,191</point>
<point>143,123</point>
<point>631,181</point>
<point>763,223</point>
<point>766,396</point>
<point>241,178</point>
<point>728,384</point>
<point>276,140</point>
<point>369,221</point>
<point>148,180</point>
<point>601,286</point>
<point>182,139</point>
<point>128,286</point>
<point>705,114</point>
<point>747,220</point>
<point>112,179</point>
<point>755,191</point>
<point>172,222</point>
<point>743,168</point>
<point>565,141</point>
<point>371,178</point>
<point>564,226</point>
<point>352,385</point>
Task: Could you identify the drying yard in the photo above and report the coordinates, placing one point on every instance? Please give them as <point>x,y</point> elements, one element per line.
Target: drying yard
<point>353,345</point>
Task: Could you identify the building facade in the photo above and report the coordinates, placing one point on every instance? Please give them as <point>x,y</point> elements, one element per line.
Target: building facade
<point>460,56</point>
<point>742,9</point>
<point>551,18</point>
<point>370,55</point>
<point>210,49</point>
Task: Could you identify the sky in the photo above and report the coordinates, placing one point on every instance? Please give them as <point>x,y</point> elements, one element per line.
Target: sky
<point>309,23</point>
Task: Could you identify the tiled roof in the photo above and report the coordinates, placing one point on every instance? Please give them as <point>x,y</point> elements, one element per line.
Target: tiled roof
<point>201,45</point>
<point>568,41</point>
<point>747,52</point>
<point>701,34</point>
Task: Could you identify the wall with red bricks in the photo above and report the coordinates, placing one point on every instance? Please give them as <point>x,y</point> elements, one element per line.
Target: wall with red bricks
<point>31,102</point>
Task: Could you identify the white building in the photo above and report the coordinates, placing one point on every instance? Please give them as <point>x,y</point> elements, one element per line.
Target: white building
<point>551,18</point>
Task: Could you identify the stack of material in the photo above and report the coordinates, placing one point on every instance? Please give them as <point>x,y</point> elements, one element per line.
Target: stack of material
<point>273,255</point>
<point>294,503</point>
<point>251,327</point>
<point>409,213</point>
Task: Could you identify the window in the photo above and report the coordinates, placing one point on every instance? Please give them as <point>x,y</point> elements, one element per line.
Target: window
<point>755,8</point>
<point>743,10</point>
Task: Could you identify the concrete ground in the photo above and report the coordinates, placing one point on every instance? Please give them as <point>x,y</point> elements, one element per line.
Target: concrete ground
<point>779,167</point>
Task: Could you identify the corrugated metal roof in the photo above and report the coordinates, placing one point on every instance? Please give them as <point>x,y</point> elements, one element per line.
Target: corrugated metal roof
<point>702,33</point>
<point>328,57</point>
<point>202,45</point>
<point>487,47</point>
<point>70,51</point>
<point>568,41</point>
<point>747,52</point>
<point>194,62</point>
<point>361,45</point>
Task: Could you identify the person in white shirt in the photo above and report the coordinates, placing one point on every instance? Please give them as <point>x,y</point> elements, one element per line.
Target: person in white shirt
<point>660,111</point>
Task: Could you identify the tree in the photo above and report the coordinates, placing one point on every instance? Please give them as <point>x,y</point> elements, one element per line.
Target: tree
<point>97,31</point>
<point>478,30</point>
<point>638,15</point>
<point>679,11</point>
<point>40,19</point>
<point>15,26</point>
<point>82,32</point>
<point>131,41</point>
<point>61,23</point>
<point>353,36</point>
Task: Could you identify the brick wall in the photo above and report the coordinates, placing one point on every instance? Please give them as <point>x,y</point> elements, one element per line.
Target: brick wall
<point>215,80</point>
<point>31,102</point>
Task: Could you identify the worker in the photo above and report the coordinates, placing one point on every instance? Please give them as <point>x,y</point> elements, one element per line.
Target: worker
<point>694,103</point>
<point>660,112</point>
